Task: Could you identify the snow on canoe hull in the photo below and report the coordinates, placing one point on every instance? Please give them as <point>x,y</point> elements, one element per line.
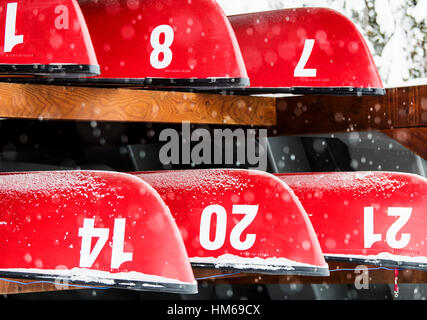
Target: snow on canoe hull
<point>80,277</point>
<point>87,227</point>
<point>367,217</point>
<point>45,38</point>
<point>305,51</point>
<point>271,266</point>
<point>240,220</point>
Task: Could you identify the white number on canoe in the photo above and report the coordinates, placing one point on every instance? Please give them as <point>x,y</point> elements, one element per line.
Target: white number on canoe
<point>370,237</point>
<point>88,256</point>
<point>250,213</point>
<point>161,48</point>
<point>300,70</point>
<point>10,38</point>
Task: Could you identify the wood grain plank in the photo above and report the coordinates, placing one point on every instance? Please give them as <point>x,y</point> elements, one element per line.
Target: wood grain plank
<point>18,286</point>
<point>341,274</point>
<point>404,107</point>
<point>26,101</point>
<point>415,139</point>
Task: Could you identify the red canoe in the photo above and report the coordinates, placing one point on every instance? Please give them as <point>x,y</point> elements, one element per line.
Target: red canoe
<point>164,44</point>
<point>305,51</point>
<point>240,220</point>
<point>366,217</point>
<point>45,38</point>
<point>91,228</point>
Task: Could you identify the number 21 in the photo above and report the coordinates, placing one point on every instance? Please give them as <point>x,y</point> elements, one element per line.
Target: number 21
<point>403,214</point>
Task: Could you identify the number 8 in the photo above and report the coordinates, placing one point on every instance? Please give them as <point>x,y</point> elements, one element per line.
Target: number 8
<point>161,48</point>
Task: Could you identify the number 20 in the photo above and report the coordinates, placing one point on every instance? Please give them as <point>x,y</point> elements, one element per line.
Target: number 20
<point>250,213</point>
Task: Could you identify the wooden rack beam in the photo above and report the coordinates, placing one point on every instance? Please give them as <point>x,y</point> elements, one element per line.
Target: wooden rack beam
<point>342,273</point>
<point>404,107</point>
<point>415,139</point>
<point>401,114</point>
<point>50,102</point>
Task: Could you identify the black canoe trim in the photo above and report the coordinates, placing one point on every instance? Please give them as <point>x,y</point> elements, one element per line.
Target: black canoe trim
<point>197,83</point>
<point>50,70</point>
<point>190,84</point>
<point>266,269</point>
<point>337,91</point>
<point>167,287</point>
<point>380,262</point>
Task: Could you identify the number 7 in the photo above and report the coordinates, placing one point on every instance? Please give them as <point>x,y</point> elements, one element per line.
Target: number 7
<point>300,70</point>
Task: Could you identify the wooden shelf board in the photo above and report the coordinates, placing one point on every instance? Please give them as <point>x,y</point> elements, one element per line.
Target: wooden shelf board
<point>341,274</point>
<point>404,107</point>
<point>50,102</point>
